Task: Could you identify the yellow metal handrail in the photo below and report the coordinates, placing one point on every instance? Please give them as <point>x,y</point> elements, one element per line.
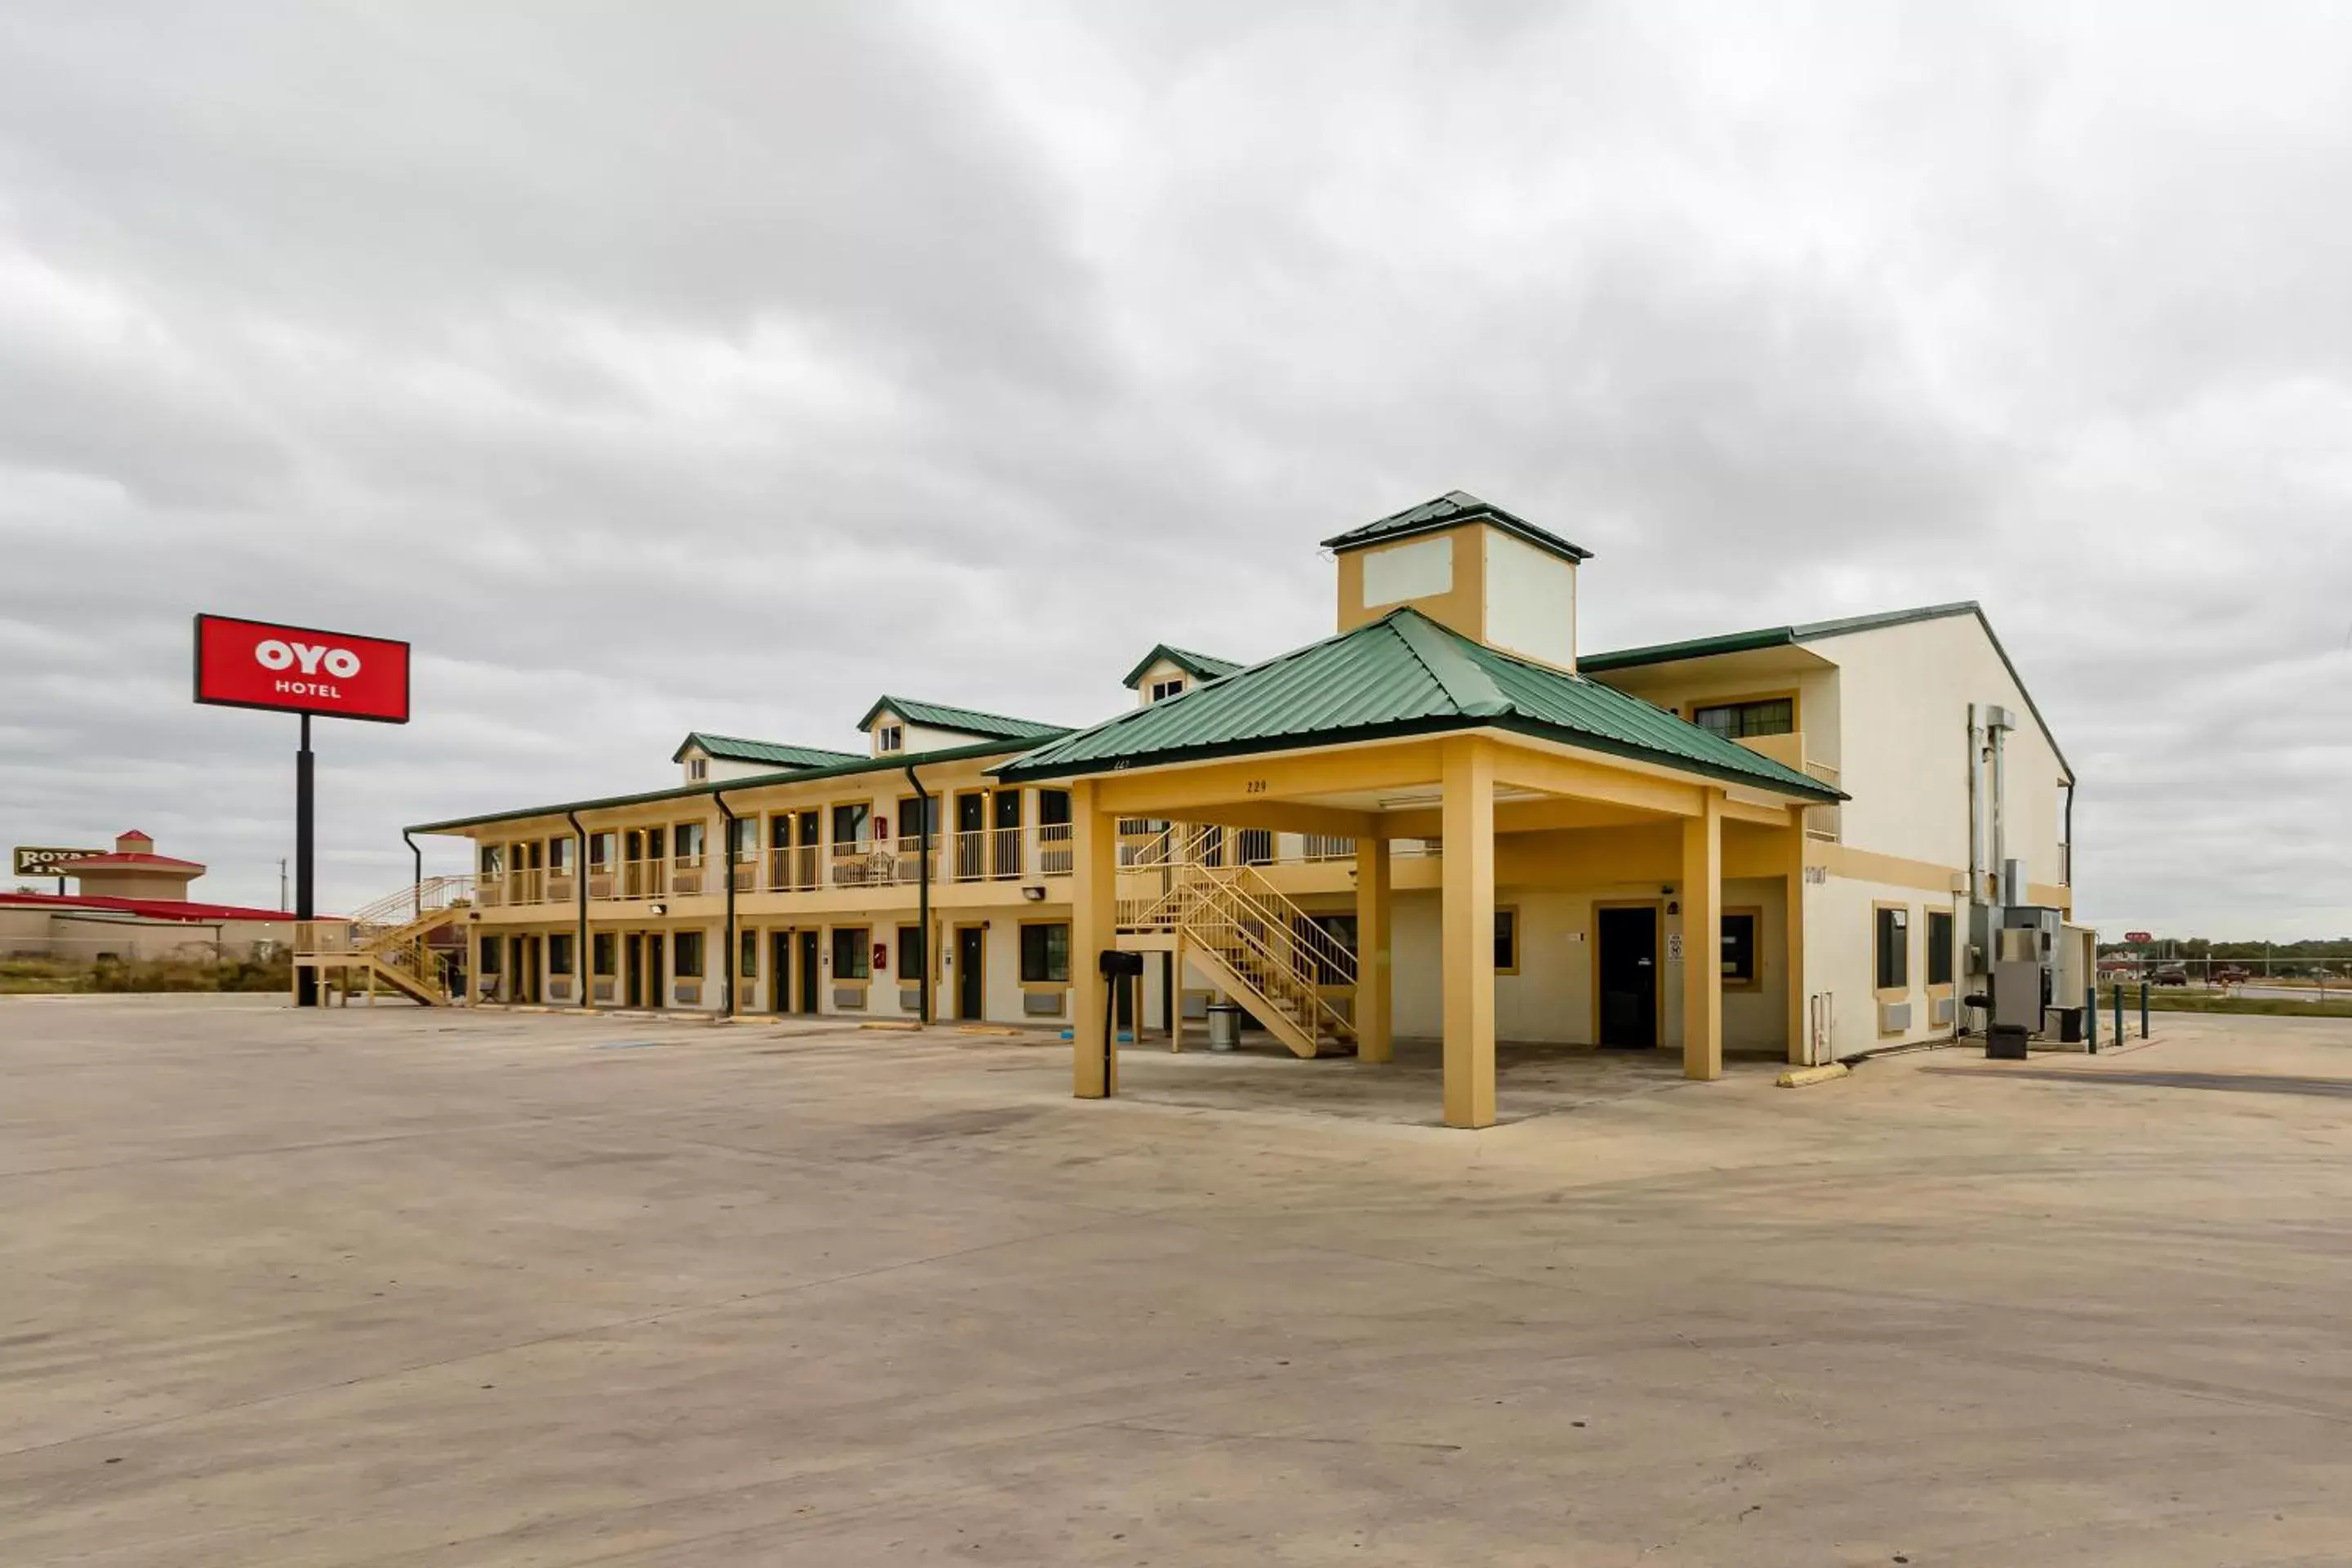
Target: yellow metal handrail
<point>1266,941</point>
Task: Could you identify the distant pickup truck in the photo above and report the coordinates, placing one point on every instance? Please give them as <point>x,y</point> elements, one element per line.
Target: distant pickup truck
<point>2169,978</point>
<point>2231,977</point>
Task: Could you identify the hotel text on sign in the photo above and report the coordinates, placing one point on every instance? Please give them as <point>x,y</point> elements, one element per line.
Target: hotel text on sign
<point>300,670</point>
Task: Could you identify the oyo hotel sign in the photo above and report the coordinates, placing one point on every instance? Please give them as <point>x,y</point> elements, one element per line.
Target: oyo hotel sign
<point>300,670</point>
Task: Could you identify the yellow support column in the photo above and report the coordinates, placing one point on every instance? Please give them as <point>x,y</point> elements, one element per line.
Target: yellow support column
<point>1374,942</point>
<point>1703,939</point>
<point>1468,822</point>
<point>1792,919</point>
<point>1093,892</point>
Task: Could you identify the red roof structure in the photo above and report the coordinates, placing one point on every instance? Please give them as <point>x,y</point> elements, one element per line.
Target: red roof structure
<point>145,908</point>
<point>121,858</point>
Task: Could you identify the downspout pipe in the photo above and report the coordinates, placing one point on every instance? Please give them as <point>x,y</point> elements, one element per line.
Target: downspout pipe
<point>1976,802</point>
<point>2070,840</point>
<point>923,895</point>
<point>2009,894</point>
<point>416,881</point>
<point>581,967</point>
<point>727,961</point>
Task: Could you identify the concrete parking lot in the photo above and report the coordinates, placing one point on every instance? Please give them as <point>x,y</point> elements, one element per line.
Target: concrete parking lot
<point>394,1287</point>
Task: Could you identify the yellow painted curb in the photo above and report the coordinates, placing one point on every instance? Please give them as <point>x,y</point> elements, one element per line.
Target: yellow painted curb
<point>889,1024</point>
<point>985,1029</point>
<point>1798,1078</point>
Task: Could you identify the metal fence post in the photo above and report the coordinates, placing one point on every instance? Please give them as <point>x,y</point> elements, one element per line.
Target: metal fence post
<point>2091,1021</point>
<point>2143,1009</point>
<point>2120,1036</point>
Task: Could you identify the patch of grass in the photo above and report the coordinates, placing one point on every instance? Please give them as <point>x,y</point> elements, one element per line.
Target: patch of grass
<point>54,976</point>
<point>2171,999</point>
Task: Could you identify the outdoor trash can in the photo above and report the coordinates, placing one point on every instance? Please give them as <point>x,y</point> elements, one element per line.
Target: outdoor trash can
<point>2006,1042</point>
<point>2070,1026</point>
<point>1224,1025</point>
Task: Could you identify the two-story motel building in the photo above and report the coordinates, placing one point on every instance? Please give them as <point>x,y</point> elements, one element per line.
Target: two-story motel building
<point>1440,822</point>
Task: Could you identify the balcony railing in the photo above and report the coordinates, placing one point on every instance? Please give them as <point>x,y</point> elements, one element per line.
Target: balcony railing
<point>981,855</point>
<point>1056,849</point>
<point>986,854</point>
<point>862,863</point>
<point>1822,822</point>
<point>522,886</point>
<point>792,870</point>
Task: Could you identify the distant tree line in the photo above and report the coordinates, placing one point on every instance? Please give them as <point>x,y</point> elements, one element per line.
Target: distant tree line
<point>2198,947</point>
<point>2311,959</point>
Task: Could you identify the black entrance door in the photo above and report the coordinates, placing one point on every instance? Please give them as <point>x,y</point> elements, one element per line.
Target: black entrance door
<point>808,970</point>
<point>779,972</point>
<point>971,972</point>
<point>1628,978</point>
<point>634,990</point>
<point>656,973</point>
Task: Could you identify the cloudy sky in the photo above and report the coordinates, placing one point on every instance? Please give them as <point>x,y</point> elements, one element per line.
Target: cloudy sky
<point>723,366</point>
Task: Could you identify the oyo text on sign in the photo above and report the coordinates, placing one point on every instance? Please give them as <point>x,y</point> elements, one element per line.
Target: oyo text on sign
<point>299,669</point>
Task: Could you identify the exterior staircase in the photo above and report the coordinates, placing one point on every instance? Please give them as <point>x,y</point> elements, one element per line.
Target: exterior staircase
<point>1247,937</point>
<point>390,940</point>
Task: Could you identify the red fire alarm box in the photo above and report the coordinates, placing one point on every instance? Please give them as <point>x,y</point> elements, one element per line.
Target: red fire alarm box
<point>881,958</point>
<point>881,828</point>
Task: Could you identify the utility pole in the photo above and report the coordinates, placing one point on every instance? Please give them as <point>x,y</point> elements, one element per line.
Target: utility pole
<point>281,881</point>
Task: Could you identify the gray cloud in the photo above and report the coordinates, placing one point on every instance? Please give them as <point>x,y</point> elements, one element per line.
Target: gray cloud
<point>654,370</point>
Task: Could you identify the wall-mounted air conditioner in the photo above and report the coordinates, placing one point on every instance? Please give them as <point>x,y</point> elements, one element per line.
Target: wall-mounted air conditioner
<point>1893,1017</point>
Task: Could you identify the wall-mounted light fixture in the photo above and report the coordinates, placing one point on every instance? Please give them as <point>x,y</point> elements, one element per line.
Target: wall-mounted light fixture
<point>1035,895</point>
<point>656,908</point>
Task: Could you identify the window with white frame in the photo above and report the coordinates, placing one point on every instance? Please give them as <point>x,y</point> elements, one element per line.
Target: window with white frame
<point>1166,689</point>
<point>890,738</point>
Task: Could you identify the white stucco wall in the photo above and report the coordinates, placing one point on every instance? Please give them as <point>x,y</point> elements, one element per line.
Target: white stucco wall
<point>1905,693</point>
<point>1551,999</point>
<point>1842,964</point>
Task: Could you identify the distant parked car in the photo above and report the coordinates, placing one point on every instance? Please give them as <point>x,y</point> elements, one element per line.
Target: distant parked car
<point>2231,977</point>
<point>2171,977</point>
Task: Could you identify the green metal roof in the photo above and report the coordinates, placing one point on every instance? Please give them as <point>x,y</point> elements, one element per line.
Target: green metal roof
<point>897,762</point>
<point>1401,674</point>
<point>1199,666</point>
<point>735,749</point>
<point>1768,637</point>
<point>1813,631</point>
<point>964,721</point>
<point>1453,507</point>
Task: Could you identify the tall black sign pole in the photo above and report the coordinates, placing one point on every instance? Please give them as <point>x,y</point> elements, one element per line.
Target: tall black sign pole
<point>306,978</point>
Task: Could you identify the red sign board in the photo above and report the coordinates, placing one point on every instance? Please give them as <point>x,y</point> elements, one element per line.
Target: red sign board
<point>2136,937</point>
<point>300,670</point>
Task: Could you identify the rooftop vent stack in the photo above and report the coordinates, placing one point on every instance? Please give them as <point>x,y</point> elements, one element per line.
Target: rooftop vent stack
<point>2000,721</point>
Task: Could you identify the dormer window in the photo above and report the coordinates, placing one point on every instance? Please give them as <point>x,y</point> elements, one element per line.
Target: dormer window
<point>890,738</point>
<point>1162,690</point>
<point>697,769</point>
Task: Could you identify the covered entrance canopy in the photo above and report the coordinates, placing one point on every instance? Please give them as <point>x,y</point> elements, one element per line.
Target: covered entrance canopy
<point>1403,729</point>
